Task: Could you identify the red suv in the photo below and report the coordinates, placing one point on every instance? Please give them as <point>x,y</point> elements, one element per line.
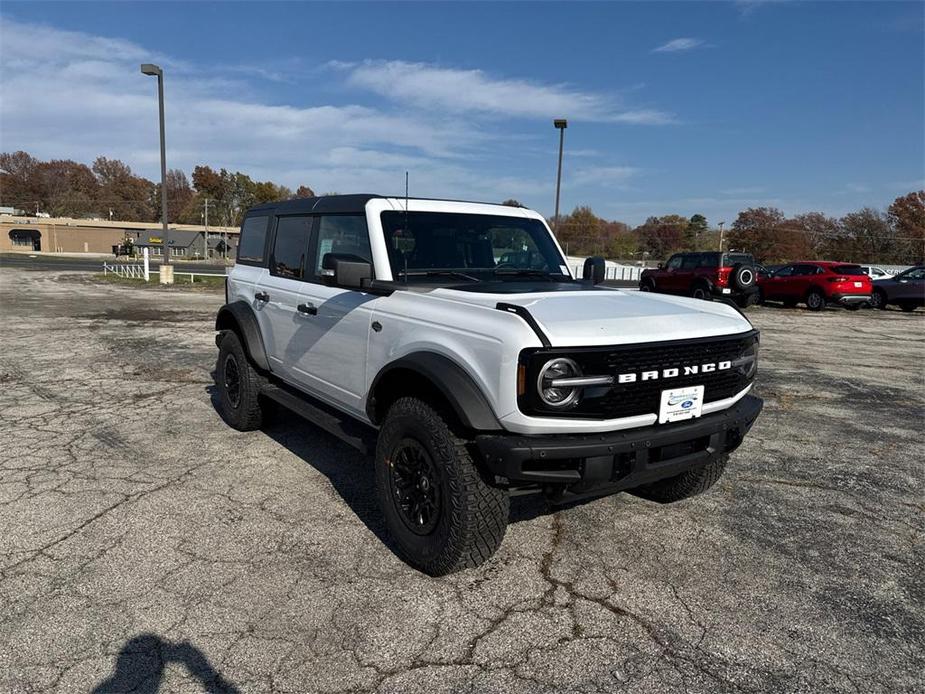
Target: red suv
<point>702,276</point>
<point>817,283</point>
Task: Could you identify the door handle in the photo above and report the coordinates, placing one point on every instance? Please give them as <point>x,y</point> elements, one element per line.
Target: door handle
<point>310,309</point>
<point>262,296</point>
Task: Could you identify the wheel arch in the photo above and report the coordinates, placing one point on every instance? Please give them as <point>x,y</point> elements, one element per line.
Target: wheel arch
<point>438,380</point>
<point>239,318</point>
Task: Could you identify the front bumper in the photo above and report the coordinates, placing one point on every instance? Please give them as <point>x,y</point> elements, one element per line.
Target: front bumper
<point>846,299</point>
<point>586,464</point>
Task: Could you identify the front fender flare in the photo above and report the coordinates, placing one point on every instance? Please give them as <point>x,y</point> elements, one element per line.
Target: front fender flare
<point>458,388</point>
<point>239,316</point>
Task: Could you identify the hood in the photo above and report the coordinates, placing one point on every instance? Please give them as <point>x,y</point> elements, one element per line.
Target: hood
<point>612,316</point>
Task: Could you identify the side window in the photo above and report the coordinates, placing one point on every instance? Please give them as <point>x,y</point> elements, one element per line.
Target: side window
<point>709,260</point>
<point>690,262</point>
<point>290,246</point>
<point>674,262</point>
<point>343,237</point>
<point>252,246</point>
<point>784,271</point>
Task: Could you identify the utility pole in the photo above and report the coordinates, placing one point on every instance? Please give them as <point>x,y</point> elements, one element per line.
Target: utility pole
<point>561,124</point>
<point>205,243</point>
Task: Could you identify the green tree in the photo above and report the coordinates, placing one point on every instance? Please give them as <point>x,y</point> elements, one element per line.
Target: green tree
<point>696,227</point>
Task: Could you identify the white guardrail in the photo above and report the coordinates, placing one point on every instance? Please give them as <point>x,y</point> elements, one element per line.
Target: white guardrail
<point>140,272</point>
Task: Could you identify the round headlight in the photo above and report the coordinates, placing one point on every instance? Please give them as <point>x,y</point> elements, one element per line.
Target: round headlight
<point>558,396</point>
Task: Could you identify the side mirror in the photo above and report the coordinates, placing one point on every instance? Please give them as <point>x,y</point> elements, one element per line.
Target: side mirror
<point>660,266</point>
<point>350,272</point>
<point>594,269</point>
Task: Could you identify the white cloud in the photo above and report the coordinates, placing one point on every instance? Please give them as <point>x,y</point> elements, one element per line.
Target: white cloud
<point>83,96</point>
<point>680,44</point>
<point>455,90</point>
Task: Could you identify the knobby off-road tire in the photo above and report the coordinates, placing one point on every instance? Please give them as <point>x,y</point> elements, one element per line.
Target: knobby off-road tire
<point>685,485</point>
<point>700,290</point>
<point>238,385</point>
<point>743,275</point>
<point>463,519</point>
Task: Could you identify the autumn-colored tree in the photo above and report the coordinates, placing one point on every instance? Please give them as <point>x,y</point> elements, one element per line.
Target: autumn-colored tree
<point>763,232</point>
<point>68,189</point>
<point>871,237</point>
<point>511,202</point>
<point>824,236</point>
<point>130,197</point>
<point>304,192</point>
<point>907,217</point>
<point>179,196</point>
<point>662,236</point>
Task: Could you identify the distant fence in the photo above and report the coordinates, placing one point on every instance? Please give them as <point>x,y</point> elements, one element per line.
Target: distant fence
<point>612,271</point>
<point>135,271</point>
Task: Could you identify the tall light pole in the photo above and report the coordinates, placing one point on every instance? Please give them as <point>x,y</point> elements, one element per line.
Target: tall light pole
<point>561,124</point>
<point>155,71</point>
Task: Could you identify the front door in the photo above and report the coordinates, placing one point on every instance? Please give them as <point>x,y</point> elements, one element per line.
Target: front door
<point>911,285</point>
<point>334,338</point>
<point>671,281</point>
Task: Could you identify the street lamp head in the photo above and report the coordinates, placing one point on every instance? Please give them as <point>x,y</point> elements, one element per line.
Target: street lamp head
<point>560,123</point>
<point>151,69</point>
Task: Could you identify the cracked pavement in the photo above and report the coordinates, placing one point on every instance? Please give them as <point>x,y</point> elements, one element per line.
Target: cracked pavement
<point>145,546</point>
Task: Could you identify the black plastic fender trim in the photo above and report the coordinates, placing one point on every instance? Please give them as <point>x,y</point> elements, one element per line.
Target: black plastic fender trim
<point>456,386</point>
<point>524,313</point>
<point>239,313</point>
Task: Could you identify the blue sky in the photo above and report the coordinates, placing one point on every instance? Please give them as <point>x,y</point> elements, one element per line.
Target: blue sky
<point>673,107</point>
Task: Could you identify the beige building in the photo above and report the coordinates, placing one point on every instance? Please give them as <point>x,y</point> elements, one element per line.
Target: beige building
<point>62,235</point>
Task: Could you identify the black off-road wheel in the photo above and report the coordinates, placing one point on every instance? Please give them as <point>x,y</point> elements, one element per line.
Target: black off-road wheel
<point>878,299</point>
<point>647,286</point>
<point>442,514</point>
<point>685,485</point>
<point>815,300</point>
<point>238,384</point>
<point>700,290</point>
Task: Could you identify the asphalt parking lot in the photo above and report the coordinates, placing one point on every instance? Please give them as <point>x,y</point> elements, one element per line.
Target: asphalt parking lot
<point>144,544</point>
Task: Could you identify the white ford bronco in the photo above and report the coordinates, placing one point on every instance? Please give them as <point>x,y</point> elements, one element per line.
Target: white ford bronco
<point>451,340</point>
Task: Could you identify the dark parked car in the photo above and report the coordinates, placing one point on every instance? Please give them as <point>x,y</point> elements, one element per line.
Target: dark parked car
<point>906,290</point>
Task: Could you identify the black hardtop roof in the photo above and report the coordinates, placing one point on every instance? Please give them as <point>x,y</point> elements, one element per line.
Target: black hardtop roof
<point>354,203</point>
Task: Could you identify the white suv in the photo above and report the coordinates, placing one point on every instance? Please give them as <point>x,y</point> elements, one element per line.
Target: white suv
<point>450,339</point>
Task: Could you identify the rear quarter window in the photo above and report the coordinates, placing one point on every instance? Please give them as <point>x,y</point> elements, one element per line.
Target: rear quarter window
<point>252,248</point>
<point>849,270</point>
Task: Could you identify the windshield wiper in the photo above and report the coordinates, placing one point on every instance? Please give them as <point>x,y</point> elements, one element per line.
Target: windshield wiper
<point>522,272</point>
<point>439,273</point>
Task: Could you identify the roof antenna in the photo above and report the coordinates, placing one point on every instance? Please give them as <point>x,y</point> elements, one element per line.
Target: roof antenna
<point>405,255</point>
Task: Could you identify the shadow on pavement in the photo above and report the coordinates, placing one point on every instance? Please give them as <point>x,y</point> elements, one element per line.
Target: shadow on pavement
<point>142,660</point>
<point>352,474</point>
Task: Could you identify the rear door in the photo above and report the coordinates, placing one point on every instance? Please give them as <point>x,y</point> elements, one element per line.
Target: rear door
<point>669,281</point>
<point>687,273</point>
<point>282,324</point>
<point>331,358</point>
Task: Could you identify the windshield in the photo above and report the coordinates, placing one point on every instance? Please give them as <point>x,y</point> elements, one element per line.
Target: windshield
<point>469,247</point>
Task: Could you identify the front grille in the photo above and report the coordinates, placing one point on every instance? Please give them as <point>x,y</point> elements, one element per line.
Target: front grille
<point>642,397</point>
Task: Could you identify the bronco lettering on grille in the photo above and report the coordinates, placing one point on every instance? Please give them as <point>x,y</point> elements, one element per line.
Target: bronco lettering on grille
<point>674,372</point>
